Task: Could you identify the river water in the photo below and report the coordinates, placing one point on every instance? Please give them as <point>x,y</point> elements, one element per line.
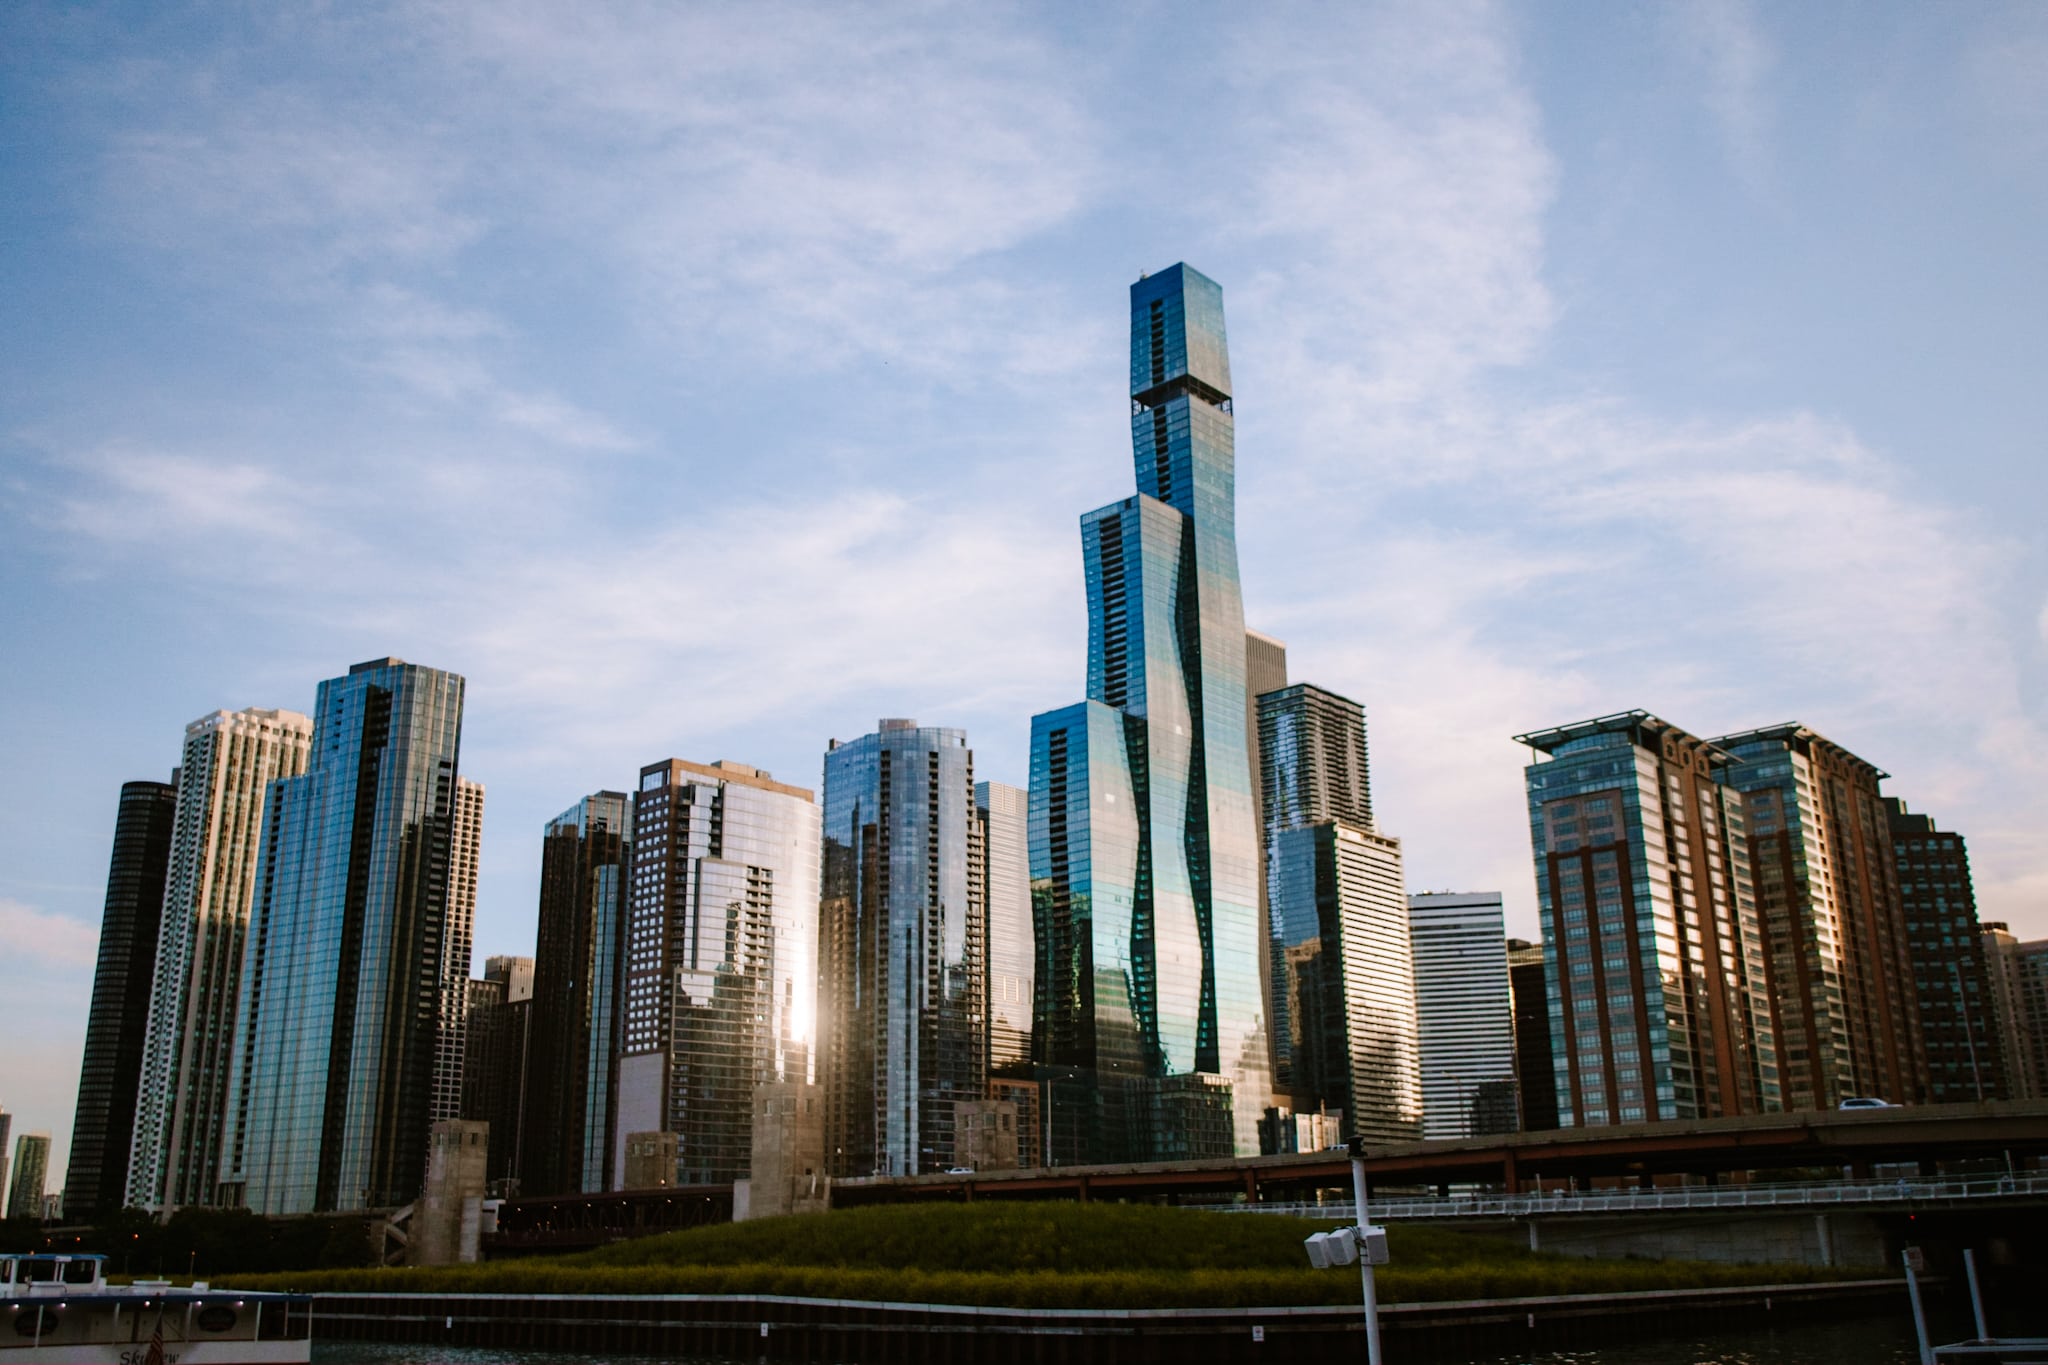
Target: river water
<point>1864,1341</point>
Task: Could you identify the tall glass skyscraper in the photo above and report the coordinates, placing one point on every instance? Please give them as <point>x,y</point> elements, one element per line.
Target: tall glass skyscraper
<point>230,760</point>
<point>585,859</point>
<point>1653,953</point>
<point>720,974</point>
<point>340,1012</point>
<point>903,926</point>
<point>110,1075</point>
<point>1343,1002</point>
<point>1176,949</point>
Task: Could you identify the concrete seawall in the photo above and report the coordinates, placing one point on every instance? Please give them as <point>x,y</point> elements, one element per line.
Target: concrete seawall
<point>778,1328</point>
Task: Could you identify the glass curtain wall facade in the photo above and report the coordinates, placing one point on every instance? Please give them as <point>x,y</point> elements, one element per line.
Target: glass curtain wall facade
<point>110,1075</point>
<point>721,960</point>
<point>339,1016</point>
<point>1345,1032</point>
<point>1951,976</point>
<point>1465,1013</point>
<point>1653,955</point>
<point>1166,651</point>
<point>1535,1081</point>
<point>1003,811</point>
<point>586,858</point>
<point>230,760</point>
<point>903,923</point>
<point>1265,670</point>
<point>1819,844</point>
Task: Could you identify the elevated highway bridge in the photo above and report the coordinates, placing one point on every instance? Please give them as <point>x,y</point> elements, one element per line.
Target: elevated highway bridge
<point>1729,1160</point>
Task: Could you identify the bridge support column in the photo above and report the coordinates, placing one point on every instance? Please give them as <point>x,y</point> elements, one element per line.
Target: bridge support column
<point>1827,1241</point>
<point>1509,1176</point>
<point>1535,1243</point>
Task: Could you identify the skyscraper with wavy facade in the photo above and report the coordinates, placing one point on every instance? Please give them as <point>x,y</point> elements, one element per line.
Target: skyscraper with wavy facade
<point>229,761</point>
<point>340,1011</point>
<point>1150,1022</point>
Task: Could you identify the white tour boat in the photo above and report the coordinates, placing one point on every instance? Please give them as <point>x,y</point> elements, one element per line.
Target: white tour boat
<point>60,1308</point>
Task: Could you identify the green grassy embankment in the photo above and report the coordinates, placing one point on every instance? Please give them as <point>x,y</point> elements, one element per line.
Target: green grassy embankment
<point>1040,1256</point>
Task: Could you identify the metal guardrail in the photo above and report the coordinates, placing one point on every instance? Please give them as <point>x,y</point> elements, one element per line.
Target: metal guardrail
<point>1684,1198</point>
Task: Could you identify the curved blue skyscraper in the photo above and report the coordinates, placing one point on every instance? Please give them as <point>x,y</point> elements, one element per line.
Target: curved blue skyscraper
<point>1149,1021</point>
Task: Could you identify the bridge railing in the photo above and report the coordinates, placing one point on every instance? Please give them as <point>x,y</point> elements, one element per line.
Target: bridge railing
<point>1821,1195</point>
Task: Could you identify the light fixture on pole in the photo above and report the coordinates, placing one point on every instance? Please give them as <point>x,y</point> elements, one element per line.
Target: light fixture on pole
<point>1364,1243</point>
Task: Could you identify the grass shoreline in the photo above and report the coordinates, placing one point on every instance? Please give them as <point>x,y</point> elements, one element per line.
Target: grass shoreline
<point>1042,1256</point>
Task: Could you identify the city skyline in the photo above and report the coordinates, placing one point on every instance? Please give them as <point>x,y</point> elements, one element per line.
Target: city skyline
<point>1515,359</point>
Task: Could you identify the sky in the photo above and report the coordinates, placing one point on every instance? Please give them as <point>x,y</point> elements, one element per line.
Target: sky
<point>713,380</point>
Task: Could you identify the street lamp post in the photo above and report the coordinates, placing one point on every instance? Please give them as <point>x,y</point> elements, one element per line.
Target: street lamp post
<point>1363,1242</point>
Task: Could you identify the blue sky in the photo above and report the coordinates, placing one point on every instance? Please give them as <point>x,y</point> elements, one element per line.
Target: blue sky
<point>713,380</point>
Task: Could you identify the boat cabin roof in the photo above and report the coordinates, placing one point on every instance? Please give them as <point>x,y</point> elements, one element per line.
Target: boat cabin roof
<point>43,1267</point>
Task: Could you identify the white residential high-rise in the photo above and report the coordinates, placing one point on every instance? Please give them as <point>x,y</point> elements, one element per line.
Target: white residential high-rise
<point>465,844</point>
<point>1465,1012</point>
<point>1011,966</point>
<point>230,759</point>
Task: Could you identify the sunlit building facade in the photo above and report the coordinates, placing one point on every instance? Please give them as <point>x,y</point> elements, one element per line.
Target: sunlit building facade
<point>1003,810</point>
<point>229,760</point>
<point>585,866</point>
<point>340,1010</point>
<point>1653,955</point>
<point>1167,664</point>
<point>903,926</point>
<point>721,966</point>
<point>1845,1013</point>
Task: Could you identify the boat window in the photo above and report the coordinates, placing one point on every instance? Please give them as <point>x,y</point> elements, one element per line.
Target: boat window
<point>81,1272</point>
<point>39,1270</point>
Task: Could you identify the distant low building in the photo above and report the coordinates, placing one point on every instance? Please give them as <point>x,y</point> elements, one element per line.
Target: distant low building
<point>31,1171</point>
<point>985,1135</point>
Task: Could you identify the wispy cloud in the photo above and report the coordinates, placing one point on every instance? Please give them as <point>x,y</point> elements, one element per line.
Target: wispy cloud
<point>30,935</point>
<point>1724,43</point>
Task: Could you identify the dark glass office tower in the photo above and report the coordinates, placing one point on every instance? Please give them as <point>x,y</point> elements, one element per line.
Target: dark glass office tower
<point>1535,1081</point>
<point>340,1011</point>
<point>97,1179</point>
<point>498,1023</point>
<point>585,858</point>
<point>1951,975</point>
<point>903,942</point>
<point>1166,654</point>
